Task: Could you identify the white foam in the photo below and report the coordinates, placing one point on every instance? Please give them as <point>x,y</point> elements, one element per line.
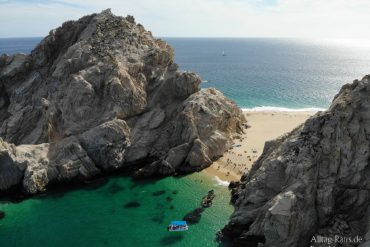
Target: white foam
<point>221,182</point>
<point>282,109</point>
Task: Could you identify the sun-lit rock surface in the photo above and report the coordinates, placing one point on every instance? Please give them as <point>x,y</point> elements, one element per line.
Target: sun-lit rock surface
<point>311,182</point>
<point>100,94</point>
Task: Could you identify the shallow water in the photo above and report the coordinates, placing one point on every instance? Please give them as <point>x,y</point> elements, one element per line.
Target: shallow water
<point>121,212</point>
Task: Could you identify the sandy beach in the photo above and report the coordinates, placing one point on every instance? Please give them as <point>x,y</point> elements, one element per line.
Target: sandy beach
<point>264,126</point>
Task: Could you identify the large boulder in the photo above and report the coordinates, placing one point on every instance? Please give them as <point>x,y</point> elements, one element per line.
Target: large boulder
<point>312,183</point>
<point>100,94</point>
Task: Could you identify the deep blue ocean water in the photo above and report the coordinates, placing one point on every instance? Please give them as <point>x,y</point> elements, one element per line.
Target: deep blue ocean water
<point>18,45</point>
<point>286,73</point>
<point>263,72</point>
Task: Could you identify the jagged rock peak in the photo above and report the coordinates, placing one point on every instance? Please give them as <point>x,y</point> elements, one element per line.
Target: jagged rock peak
<point>98,55</point>
<point>100,94</point>
<point>311,182</point>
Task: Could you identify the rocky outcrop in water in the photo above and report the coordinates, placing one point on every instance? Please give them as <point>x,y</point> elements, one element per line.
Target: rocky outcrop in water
<point>311,184</point>
<point>100,94</point>
<point>195,215</point>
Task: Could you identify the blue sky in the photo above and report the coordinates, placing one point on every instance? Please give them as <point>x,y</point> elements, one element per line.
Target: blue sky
<point>200,18</point>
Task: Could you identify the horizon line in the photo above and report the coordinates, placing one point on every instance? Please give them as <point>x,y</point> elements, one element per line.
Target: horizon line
<point>216,37</point>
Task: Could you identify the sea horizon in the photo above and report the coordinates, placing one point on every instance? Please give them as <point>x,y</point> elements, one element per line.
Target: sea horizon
<point>261,74</point>
<point>175,123</point>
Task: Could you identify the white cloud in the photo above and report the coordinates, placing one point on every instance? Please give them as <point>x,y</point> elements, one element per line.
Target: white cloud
<point>210,18</point>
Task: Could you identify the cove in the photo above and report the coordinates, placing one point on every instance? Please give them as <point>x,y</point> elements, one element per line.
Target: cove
<point>120,212</point>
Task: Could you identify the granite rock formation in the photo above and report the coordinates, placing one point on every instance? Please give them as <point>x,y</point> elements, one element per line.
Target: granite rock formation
<point>100,94</point>
<point>312,183</point>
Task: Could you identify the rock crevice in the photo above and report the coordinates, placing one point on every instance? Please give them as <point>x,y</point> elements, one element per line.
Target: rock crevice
<point>311,182</point>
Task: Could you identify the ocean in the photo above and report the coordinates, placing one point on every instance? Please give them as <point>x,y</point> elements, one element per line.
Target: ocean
<point>263,73</point>
<point>280,73</point>
<point>257,74</point>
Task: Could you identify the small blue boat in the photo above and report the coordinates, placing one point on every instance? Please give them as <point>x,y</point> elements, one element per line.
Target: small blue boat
<point>178,226</point>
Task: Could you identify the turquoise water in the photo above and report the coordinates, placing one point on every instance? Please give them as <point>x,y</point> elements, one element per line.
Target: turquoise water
<point>102,216</point>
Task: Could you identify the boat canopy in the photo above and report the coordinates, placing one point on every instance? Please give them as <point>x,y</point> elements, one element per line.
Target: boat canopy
<point>178,223</point>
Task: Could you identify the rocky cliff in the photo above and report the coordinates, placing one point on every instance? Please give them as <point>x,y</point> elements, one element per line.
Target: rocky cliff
<point>313,184</point>
<point>100,94</point>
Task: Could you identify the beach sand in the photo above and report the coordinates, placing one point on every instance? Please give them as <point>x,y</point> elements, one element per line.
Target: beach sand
<point>264,126</point>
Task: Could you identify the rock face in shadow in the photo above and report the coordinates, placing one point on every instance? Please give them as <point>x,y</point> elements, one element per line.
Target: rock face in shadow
<point>314,181</point>
<point>100,94</point>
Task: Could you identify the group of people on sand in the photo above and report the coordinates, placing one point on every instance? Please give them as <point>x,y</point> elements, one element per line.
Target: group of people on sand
<point>241,168</point>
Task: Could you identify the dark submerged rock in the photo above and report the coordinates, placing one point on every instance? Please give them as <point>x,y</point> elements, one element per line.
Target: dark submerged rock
<point>159,192</point>
<point>132,205</point>
<point>159,218</point>
<point>115,188</point>
<point>171,240</point>
<point>194,216</point>
<point>2,215</point>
